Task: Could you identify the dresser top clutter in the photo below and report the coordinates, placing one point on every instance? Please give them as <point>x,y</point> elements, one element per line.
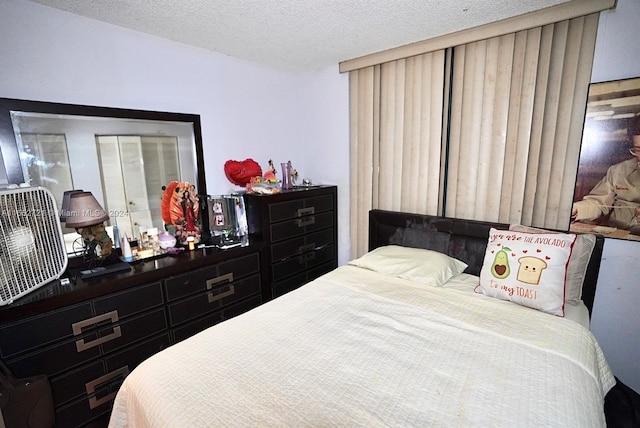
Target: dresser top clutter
<point>57,295</point>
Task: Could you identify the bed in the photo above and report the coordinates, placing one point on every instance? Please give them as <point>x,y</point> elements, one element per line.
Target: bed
<point>363,347</point>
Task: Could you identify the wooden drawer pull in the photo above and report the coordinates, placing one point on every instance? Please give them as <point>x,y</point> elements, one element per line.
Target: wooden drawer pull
<point>213,297</point>
<point>228,277</point>
<point>306,211</point>
<point>94,384</point>
<point>306,221</point>
<point>77,327</point>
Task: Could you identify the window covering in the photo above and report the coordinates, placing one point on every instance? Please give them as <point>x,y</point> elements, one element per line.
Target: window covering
<point>516,124</point>
<point>396,133</point>
<point>561,12</point>
<point>487,130</point>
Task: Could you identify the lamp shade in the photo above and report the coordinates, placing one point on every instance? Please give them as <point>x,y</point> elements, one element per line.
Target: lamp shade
<point>84,210</point>
<point>65,204</point>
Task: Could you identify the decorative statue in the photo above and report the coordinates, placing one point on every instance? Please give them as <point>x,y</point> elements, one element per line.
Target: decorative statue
<point>270,175</point>
<point>180,208</point>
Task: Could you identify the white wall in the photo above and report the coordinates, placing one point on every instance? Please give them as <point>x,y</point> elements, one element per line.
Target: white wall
<point>325,135</point>
<point>247,110</point>
<point>616,317</point>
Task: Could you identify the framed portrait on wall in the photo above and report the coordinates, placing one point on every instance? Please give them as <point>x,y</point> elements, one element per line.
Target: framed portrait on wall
<point>606,200</point>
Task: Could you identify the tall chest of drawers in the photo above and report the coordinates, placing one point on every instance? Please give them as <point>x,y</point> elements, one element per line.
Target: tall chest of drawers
<point>299,227</point>
<point>87,337</point>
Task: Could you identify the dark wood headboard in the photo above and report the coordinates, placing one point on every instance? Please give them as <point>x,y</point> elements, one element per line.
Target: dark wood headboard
<point>465,240</point>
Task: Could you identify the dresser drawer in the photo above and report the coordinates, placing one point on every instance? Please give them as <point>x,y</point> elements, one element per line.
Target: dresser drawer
<point>132,301</point>
<point>189,329</point>
<point>211,277</point>
<point>294,247</point>
<point>54,359</point>
<point>89,391</point>
<point>222,295</point>
<point>134,329</point>
<point>300,226</point>
<point>54,326</point>
<point>241,266</point>
<point>297,208</point>
<point>293,282</point>
<point>189,283</point>
<point>242,307</point>
<point>86,347</point>
<point>71,386</point>
<point>134,355</point>
<point>298,264</point>
<point>41,330</point>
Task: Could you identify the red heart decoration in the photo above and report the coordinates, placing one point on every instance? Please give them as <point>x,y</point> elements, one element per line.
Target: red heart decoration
<point>525,251</point>
<point>538,250</point>
<point>240,173</point>
<point>547,257</point>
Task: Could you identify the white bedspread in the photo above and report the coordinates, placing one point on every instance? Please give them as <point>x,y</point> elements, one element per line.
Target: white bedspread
<point>355,348</point>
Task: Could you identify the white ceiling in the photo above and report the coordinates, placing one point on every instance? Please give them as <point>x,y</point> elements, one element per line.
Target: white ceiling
<point>298,35</point>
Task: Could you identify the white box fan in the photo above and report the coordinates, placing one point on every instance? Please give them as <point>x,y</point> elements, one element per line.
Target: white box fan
<point>32,249</point>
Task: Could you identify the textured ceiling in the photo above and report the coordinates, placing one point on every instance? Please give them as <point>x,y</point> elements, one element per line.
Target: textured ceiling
<point>298,35</point>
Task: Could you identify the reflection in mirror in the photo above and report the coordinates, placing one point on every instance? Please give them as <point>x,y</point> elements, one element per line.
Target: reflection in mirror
<point>45,158</point>
<point>133,170</point>
<point>123,157</point>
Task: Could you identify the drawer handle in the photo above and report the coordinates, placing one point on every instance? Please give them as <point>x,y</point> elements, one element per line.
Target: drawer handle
<point>306,221</point>
<point>306,211</point>
<point>77,327</point>
<point>212,297</point>
<point>94,384</point>
<point>304,248</point>
<point>81,345</point>
<point>307,257</point>
<point>228,277</point>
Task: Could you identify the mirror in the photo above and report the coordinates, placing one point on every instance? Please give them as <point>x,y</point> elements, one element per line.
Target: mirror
<point>124,157</point>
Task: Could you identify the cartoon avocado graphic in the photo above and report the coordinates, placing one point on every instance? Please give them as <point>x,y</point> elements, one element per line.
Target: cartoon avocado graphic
<point>500,267</point>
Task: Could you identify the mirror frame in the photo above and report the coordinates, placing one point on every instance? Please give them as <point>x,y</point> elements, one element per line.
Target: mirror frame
<point>11,167</point>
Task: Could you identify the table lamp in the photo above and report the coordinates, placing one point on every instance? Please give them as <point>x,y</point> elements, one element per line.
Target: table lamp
<point>84,214</point>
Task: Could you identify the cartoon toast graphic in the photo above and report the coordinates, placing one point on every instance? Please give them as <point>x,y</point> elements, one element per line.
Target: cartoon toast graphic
<point>530,269</point>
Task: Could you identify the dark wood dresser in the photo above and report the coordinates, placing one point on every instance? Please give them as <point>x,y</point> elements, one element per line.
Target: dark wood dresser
<point>299,227</point>
<point>88,335</point>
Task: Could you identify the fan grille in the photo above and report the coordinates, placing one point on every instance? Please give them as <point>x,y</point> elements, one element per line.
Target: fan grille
<point>32,250</point>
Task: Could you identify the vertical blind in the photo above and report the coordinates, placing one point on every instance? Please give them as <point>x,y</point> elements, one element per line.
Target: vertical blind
<point>364,106</point>
<point>517,112</point>
<point>395,154</point>
<point>513,119</point>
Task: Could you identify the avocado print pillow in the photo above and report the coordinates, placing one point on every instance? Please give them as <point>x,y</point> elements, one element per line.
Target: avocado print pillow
<point>527,268</point>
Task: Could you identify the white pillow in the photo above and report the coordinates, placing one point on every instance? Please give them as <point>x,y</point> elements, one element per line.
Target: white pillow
<point>527,268</point>
<point>422,266</point>
<point>578,262</point>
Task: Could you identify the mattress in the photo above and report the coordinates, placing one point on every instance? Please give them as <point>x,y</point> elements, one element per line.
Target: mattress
<point>359,348</point>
